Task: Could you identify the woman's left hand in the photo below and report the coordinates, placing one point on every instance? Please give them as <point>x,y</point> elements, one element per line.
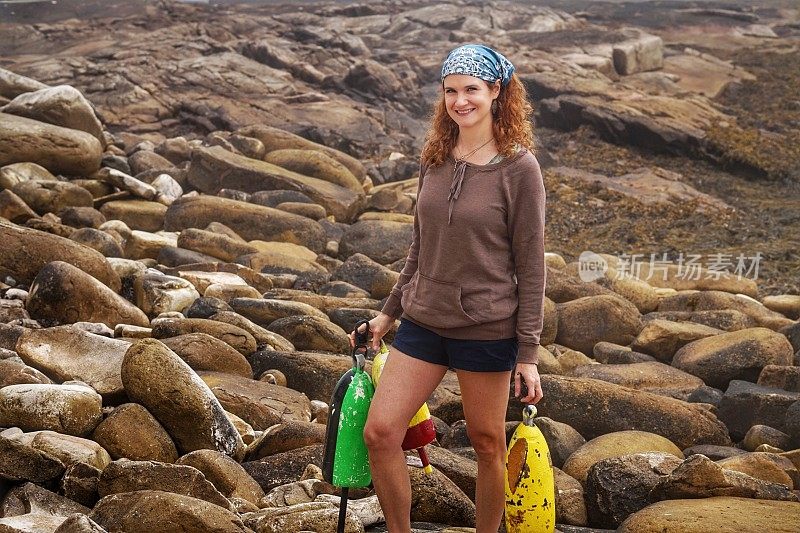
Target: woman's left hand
<point>527,373</point>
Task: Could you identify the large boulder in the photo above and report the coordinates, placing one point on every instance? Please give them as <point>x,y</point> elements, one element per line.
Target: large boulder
<point>20,462</point>
<point>312,333</point>
<point>153,511</point>
<point>157,378</point>
<point>662,338</point>
<point>68,409</point>
<point>595,408</point>
<point>584,322</point>
<point>60,150</point>
<point>649,376</point>
<point>13,84</point>
<point>314,374</point>
<point>252,222</point>
<point>204,352</point>
<point>367,274</point>
<point>215,168</point>
<point>25,251</point>
<point>258,403</point>
<point>137,214</point>
<point>234,336</point>
<point>52,196</point>
<point>617,444</point>
<point>735,355</point>
<point>721,514</point>
<point>719,300</point>
<point>315,164</point>
<point>746,404</point>
<point>66,353</point>
<point>227,475</point>
<point>62,105</point>
<point>150,442</point>
<point>380,240</point>
<point>264,311</point>
<point>64,294</point>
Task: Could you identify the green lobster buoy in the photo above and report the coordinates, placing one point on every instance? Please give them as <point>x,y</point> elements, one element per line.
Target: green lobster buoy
<point>345,462</point>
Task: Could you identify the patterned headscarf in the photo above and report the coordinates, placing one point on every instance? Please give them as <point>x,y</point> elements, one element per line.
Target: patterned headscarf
<point>479,61</point>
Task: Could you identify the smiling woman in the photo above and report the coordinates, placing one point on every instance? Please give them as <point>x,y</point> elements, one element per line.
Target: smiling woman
<point>471,294</point>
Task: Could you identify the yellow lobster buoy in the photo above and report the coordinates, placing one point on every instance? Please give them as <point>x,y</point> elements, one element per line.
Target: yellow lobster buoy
<point>529,482</point>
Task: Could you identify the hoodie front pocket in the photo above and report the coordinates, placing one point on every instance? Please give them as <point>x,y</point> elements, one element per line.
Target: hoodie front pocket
<point>437,303</point>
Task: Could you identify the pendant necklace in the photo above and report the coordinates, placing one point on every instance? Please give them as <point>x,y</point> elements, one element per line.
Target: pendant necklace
<point>459,169</point>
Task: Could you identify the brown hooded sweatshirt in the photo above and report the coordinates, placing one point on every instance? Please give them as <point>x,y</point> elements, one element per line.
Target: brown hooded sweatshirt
<point>482,275</point>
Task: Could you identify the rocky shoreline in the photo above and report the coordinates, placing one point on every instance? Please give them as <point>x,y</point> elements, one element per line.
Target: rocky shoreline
<point>191,222</point>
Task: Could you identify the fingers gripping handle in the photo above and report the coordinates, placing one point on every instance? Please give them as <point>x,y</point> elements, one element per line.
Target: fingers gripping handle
<point>361,340</point>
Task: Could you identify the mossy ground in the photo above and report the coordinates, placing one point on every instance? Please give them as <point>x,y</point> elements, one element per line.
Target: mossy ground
<point>766,219</point>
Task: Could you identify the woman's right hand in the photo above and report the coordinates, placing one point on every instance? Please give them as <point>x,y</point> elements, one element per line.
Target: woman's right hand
<point>378,327</point>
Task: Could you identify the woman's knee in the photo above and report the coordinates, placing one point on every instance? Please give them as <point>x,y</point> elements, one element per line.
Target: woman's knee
<point>488,444</point>
<point>378,434</point>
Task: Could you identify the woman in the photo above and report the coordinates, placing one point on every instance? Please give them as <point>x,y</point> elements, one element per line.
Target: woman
<point>471,294</point>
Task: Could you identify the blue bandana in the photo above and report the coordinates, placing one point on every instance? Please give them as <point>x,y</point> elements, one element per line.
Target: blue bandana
<point>479,61</point>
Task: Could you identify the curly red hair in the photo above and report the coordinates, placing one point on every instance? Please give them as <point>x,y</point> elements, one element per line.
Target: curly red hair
<point>512,125</point>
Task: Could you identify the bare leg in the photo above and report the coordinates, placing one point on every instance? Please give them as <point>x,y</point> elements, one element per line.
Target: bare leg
<point>405,384</point>
<point>485,397</point>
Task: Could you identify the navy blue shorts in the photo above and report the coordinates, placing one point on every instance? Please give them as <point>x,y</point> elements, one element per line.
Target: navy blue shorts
<point>458,354</point>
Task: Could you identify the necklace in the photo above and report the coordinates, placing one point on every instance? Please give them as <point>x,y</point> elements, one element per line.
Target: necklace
<point>463,158</point>
<point>459,169</point>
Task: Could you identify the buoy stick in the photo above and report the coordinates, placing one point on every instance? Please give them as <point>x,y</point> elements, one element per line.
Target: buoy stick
<point>342,510</point>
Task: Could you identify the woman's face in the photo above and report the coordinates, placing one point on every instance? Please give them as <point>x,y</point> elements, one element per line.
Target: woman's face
<point>469,99</point>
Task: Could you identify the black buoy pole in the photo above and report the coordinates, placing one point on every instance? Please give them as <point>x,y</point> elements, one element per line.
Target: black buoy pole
<point>342,510</point>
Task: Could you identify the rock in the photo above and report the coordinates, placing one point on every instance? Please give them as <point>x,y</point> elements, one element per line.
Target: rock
<point>616,444</point>
<point>12,84</point>
<point>126,182</point>
<point>371,276</point>
<point>137,214</point>
<point>276,139</point>
<point>168,255</point>
<point>573,401</point>
<point>615,354</point>
<point>562,439</point>
<point>227,292</point>
<point>264,339</point>
<point>226,474</point>
<point>63,294</point>
<point>150,442</point>
<point>768,467</point>
<point>746,404</point>
<point>312,333</point>
<point>258,403</point>
<point>62,105</point>
<point>619,486</point>
<point>66,353</point>
<point>314,374</point>
<point>16,373</point>
<point>202,280</point>
<point>282,468</point>
<point>723,514</point>
<point>149,511</point>
<point>277,197</point>
<point>168,189</point>
<point>67,448</point>
<point>760,434</point>
<point>146,160</point>
<point>321,302</point>
<point>204,352</point>
<point>215,244</point>
<point>312,211</point>
<point>157,293</point>
<point>315,164</point>
<point>434,498</point>
<point>11,175</point>
<point>264,311</point>
<point>52,196</point>
<point>30,523</point>
<point>248,146</point>
<point>252,222</point>
<point>79,523</point>
<point>460,470</point>
<point>69,409</point>
<point>27,251</point>
<point>716,300</point>
<point>130,476</point>
<point>98,240</point>
<point>780,377</point>
<point>713,452</point>
<point>29,498</point>
<point>286,436</point>
<point>654,377</point>
<point>82,217</point>
<point>738,355</point>
<point>570,504</point>
<point>159,380</point>
<point>233,336</point>
<point>14,208</point>
<point>215,168</point>
<point>25,463</point>
<point>311,516</point>
<point>59,150</point>
<point>381,241</point>
<point>699,477</point>
<point>586,321</point>
<point>662,338</point>
<point>706,394</point>
<point>785,304</point>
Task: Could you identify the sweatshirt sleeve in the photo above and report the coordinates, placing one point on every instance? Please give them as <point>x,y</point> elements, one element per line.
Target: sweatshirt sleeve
<point>392,307</point>
<point>526,218</point>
